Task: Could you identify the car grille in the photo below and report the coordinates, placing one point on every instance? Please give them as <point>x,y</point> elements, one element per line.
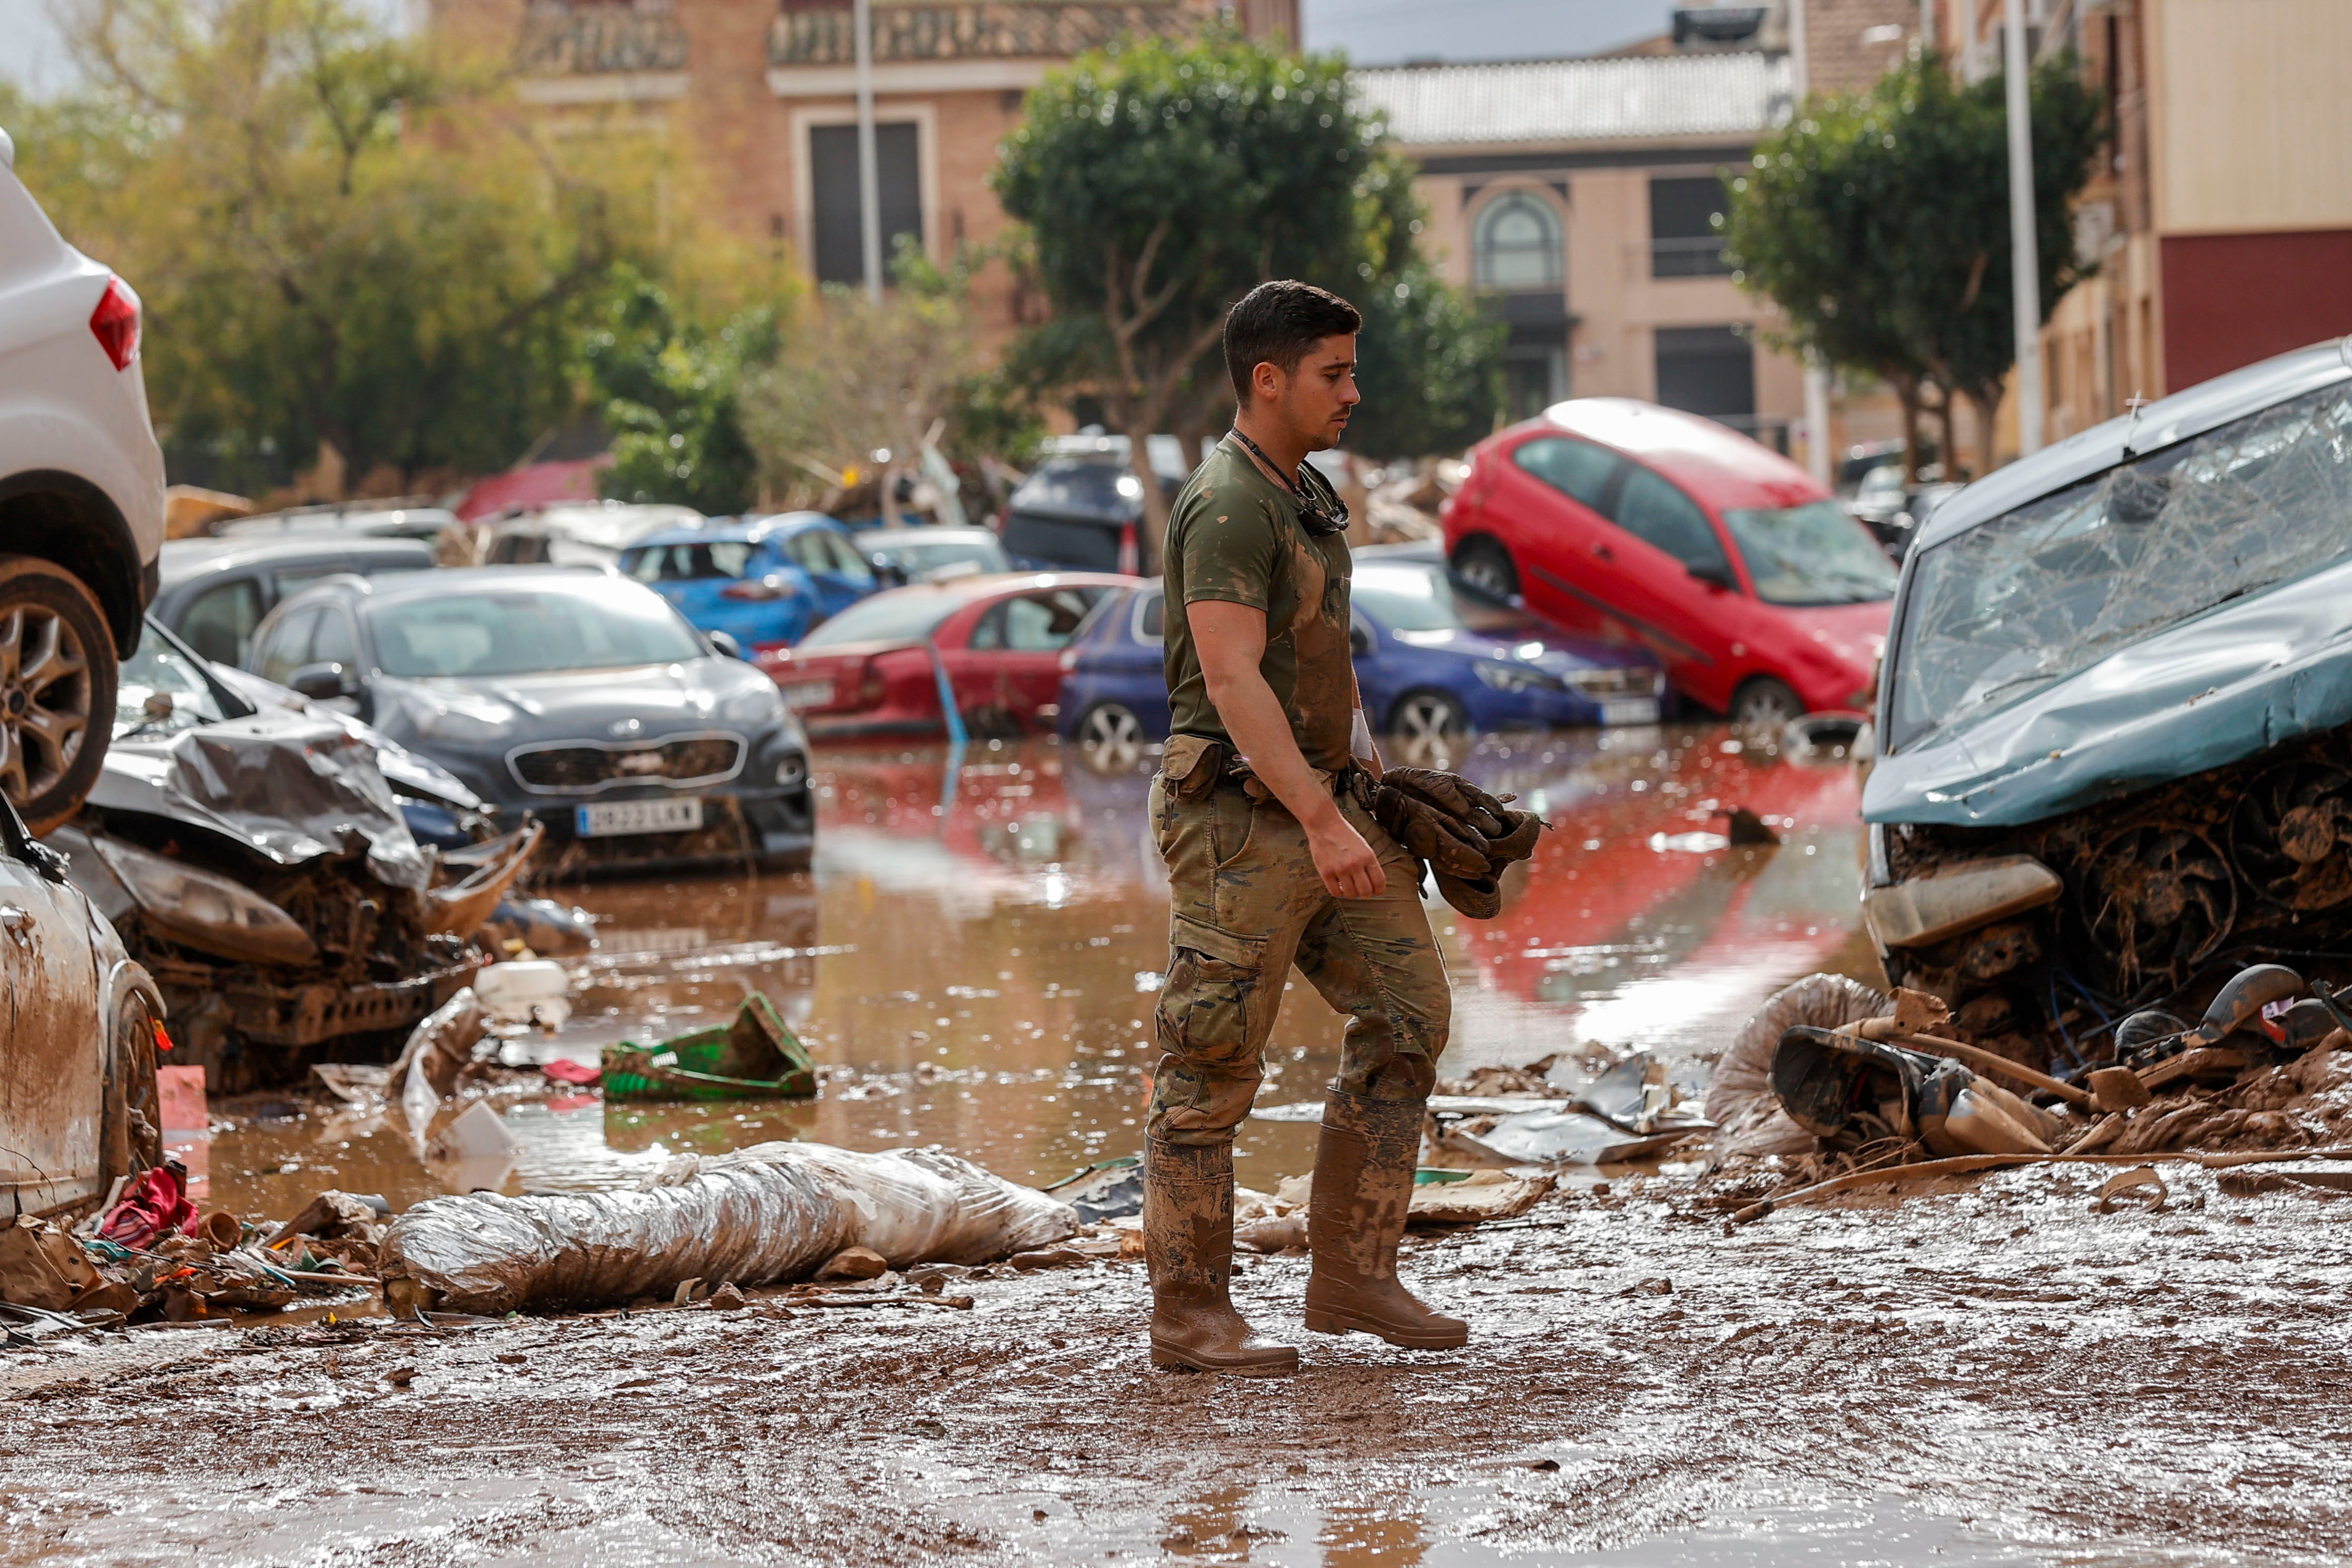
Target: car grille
<point>583,769</point>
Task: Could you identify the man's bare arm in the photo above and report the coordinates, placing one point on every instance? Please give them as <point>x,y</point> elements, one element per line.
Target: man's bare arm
<point>1231,639</point>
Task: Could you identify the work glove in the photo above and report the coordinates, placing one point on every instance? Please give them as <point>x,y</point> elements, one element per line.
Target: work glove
<point>1465,836</point>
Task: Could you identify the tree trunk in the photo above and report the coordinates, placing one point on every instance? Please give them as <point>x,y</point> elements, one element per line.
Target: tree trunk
<point>1907,393</point>
<point>1984,404</point>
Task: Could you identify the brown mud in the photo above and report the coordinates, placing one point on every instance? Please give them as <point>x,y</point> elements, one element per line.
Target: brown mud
<point>1992,1370</point>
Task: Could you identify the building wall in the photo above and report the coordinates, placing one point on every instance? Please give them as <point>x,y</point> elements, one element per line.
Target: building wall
<point>2254,133</point>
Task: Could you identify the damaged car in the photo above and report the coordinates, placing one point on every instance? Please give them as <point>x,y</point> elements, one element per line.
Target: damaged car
<point>78,1096</point>
<point>258,864</point>
<point>2114,724</point>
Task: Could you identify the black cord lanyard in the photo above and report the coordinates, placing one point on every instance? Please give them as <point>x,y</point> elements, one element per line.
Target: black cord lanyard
<point>1312,515</point>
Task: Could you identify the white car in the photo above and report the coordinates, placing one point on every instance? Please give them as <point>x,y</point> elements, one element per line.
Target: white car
<point>81,504</point>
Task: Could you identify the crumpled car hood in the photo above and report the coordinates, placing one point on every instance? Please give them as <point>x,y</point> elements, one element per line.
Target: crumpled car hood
<point>2235,682</point>
<point>288,786</point>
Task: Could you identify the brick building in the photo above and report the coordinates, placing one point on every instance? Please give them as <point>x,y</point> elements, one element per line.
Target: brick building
<point>2221,216</point>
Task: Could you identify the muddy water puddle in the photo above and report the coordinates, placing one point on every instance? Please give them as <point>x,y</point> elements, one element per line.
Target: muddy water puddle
<point>975,957</point>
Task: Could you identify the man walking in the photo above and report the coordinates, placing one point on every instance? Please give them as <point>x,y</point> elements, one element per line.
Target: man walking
<point>1273,861</point>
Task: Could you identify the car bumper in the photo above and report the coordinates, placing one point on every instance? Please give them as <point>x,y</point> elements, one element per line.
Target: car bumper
<point>775,828</point>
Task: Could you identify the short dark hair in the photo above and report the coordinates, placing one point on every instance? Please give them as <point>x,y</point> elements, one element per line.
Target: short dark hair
<point>1279,323</point>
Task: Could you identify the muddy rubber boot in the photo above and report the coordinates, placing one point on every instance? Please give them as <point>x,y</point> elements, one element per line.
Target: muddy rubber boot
<point>1364,1180</point>
<point>1187,1239</point>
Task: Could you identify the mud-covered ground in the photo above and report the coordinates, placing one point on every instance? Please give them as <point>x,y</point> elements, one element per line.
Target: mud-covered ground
<point>1988,1373</point>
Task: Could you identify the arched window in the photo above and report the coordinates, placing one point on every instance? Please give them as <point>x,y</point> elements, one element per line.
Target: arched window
<point>1516,243</point>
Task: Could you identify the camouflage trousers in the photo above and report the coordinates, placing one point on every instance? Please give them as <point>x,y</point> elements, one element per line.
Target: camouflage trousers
<point>1247,904</point>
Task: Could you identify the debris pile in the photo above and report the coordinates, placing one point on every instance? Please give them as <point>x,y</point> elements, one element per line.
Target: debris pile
<point>1851,1082</point>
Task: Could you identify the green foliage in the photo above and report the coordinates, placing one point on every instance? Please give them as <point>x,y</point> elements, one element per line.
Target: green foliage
<point>668,388</point>
<point>1429,362</point>
<point>1160,182</point>
<point>1879,223</point>
<point>343,239</point>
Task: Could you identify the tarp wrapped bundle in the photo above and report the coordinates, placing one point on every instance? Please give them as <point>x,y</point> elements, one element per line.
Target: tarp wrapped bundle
<point>760,1216</point>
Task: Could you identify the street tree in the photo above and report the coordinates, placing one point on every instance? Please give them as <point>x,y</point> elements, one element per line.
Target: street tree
<point>1878,223</point>
<point>347,241</point>
<point>1159,181</point>
<point>669,389</point>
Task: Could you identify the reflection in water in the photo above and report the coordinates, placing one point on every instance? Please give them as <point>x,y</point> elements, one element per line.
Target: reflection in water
<point>975,960</point>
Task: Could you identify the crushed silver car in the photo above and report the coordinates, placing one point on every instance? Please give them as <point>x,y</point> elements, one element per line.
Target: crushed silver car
<point>2115,719</point>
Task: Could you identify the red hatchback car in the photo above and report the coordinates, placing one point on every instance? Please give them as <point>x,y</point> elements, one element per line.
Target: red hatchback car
<point>1764,598</point>
<point>874,669</point>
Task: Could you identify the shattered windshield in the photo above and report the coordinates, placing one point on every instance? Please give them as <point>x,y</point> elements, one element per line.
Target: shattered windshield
<point>161,693</point>
<point>1812,554</point>
<point>2055,586</point>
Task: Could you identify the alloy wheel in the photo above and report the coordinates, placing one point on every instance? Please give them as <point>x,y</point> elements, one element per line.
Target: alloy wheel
<point>1429,729</point>
<point>45,699</point>
<point>1110,738</point>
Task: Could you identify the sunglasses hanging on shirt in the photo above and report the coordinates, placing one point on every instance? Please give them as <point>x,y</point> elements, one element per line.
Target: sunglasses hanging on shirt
<point>1321,510</point>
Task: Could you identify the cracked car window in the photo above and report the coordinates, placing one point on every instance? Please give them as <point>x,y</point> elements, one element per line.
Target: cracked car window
<point>2055,586</point>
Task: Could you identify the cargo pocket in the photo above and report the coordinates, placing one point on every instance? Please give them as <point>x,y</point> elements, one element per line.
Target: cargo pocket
<point>1214,994</point>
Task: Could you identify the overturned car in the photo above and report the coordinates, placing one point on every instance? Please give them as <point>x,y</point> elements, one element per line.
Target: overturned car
<point>258,864</point>
<point>2115,721</point>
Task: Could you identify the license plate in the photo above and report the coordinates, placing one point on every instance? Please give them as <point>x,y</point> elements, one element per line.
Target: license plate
<point>614,818</point>
<point>808,693</point>
<point>1630,710</point>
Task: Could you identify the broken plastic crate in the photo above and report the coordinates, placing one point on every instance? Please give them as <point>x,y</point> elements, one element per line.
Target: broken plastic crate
<point>757,1056</point>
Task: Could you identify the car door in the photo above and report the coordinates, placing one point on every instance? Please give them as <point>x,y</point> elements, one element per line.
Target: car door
<point>1378,680</point>
<point>1012,666</point>
<point>219,621</point>
<point>1551,503</point>
<point>53,1062</point>
<point>845,577</point>
<point>1663,567</point>
<point>284,645</point>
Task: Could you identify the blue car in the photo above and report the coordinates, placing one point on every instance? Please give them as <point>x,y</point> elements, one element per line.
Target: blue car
<point>1436,659</point>
<point>767,582</point>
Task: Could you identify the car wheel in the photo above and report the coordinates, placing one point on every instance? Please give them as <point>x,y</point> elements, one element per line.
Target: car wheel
<point>1110,738</point>
<point>1430,728</point>
<point>1763,703</point>
<point>1486,565</point>
<point>58,679</point>
<point>132,1140</point>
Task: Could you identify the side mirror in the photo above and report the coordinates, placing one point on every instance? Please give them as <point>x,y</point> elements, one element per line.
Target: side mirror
<point>888,573</point>
<point>1713,576</point>
<point>725,644</point>
<point>325,681</point>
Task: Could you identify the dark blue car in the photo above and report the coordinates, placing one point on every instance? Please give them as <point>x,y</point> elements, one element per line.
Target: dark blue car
<point>765,581</point>
<point>1436,659</point>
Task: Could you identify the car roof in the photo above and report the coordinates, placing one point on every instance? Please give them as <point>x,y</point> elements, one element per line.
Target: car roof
<point>181,559</point>
<point>322,520</point>
<point>741,530</point>
<point>1711,460</point>
<point>449,581</point>
<point>2165,423</point>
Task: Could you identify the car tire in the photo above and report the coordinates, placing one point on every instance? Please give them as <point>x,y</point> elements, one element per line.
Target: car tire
<point>58,716</point>
<point>1764,703</point>
<point>1430,728</point>
<point>1483,563</point>
<point>1110,738</point>
<point>132,1136</point>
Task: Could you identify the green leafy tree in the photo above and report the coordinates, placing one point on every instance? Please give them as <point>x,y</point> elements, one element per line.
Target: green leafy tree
<point>344,239</point>
<point>1429,362</point>
<point>1879,224</point>
<point>669,390</point>
<point>1160,180</point>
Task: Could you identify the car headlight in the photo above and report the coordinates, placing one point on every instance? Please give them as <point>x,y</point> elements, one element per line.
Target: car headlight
<point>205,911</point>
<point>1504,678</point>
<point>471,721</point>
<point>762,704</point>
<point>1959,897</point>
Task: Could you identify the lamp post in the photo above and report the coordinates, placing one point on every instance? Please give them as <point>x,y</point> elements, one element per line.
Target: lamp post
<point>1817,375</point>
<point>869,183</point>
<point>2025,263</point>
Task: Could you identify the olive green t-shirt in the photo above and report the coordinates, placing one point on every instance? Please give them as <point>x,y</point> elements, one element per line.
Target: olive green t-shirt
<point>1234,536</point>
